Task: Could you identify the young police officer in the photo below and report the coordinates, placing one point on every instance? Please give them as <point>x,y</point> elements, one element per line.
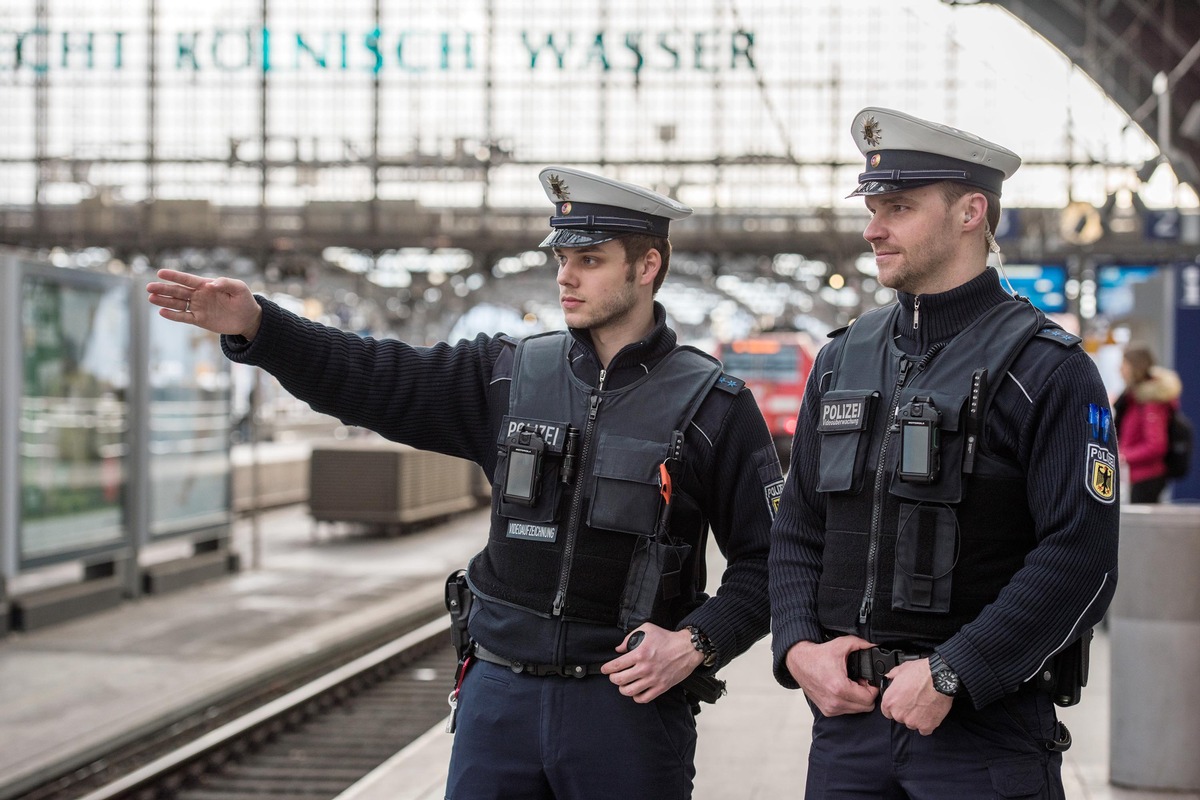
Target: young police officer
<point>611,450</point>
<point>948,531</point>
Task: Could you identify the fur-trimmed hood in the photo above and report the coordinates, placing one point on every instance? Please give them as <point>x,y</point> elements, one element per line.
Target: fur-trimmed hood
<point>1163,386</point>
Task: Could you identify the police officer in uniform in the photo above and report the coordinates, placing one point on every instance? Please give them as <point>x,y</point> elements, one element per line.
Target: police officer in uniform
<point>948,531</point>
<point>612,451</point>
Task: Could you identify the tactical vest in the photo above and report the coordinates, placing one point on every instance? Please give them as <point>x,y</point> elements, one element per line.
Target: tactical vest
<point>591,541</point>
<point>923,528</point>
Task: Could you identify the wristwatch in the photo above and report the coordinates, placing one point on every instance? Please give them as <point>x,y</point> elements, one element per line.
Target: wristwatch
<point>945,680</point>
<point>703,645</point>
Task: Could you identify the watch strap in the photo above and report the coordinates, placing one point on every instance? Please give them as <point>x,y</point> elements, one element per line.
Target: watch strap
<point>945,680</point>
<point>703,645</point>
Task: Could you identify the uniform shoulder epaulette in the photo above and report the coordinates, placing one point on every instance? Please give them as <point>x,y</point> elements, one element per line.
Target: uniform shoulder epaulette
<point>728,383</point>
<point>1059,336</point>
<point>503,366</point>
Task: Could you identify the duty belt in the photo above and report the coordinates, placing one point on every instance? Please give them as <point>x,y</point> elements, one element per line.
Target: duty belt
<point>540,670</point>
<point>876,662</point>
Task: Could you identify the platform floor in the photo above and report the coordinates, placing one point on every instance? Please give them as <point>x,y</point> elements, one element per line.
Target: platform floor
<point>65,690</point>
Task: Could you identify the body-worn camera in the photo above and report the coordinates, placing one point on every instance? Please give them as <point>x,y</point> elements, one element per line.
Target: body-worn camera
<point>919,440</point>
<point>525,450</point>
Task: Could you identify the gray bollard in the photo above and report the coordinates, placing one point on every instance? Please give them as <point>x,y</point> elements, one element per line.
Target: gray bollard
<point>1155,639</point>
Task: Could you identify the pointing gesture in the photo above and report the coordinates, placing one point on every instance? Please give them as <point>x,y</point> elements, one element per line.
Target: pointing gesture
<point>221,305</point>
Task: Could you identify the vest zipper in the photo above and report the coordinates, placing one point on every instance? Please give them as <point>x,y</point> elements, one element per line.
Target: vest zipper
<point>864,610</point>
<point>560,598</point>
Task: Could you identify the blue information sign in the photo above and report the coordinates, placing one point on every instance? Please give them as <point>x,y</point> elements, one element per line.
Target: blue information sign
<point>1163,224</point>
<point>1044,284</point>
<point>1114,287</point>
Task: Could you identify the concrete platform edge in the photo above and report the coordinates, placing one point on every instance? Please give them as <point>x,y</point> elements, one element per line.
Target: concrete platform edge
<point>417,772</point>
<point>422,602</point>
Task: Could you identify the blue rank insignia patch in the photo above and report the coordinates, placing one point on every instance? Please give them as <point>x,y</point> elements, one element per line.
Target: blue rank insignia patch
<point>729,383</point>
<point>1057,334</point>
<point>1101,476</point>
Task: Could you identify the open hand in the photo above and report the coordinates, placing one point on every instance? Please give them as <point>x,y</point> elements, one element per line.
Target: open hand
<point>221,305</point>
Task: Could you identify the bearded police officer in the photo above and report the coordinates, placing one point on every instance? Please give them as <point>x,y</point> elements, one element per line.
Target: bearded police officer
<point>612,451</point>
<point>948,532</point>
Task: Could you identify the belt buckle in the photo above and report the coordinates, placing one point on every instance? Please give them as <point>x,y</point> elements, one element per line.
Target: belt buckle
<point>873,663</point>
<point>886,660</point>
<point>883,661</point>
<point>861,664</point>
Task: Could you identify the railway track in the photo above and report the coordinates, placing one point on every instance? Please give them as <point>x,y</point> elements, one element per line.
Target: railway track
<point>310,743</point>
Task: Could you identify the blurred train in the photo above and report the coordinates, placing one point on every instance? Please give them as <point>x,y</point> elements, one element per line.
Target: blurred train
<point>775,365</point>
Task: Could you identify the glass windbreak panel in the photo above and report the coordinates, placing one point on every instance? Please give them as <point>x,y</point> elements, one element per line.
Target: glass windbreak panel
<point>190,419</point>
<point>74,418</point>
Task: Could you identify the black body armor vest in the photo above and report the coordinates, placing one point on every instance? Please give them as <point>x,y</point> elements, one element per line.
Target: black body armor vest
<point>579,523</point>
<point>923,527</point>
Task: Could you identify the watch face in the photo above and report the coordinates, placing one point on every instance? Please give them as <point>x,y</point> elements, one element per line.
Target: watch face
<point>945,682</point>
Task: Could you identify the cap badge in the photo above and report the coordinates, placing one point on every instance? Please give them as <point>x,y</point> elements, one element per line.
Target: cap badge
<point>564,209</point>
<point>875,159</point>
<point>559,187</point>
<point>871,132</point>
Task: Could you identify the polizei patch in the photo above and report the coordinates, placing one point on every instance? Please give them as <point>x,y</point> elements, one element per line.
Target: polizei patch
<point>843,415</point>
<point>774,492</point>
<point>1101,472</point>
<point>531,531</point>
<point>552,433</point>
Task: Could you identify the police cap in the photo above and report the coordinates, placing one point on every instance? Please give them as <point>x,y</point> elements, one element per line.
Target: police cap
<point>904,152</point>
<point>590,209</point>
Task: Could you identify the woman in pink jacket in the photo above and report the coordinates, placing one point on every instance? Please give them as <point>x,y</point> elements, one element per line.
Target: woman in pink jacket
<point>1142,413</point>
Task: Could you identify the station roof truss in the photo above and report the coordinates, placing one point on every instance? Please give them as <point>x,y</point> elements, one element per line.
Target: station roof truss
<point>1123,45</point>
<point>1130,48</point>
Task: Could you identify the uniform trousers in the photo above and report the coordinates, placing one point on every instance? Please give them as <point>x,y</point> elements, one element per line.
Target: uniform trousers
<point>524,737</point>
<point>996,752</point>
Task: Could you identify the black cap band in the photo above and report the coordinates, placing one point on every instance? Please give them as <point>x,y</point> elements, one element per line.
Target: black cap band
<point>597,217</point>
<point>908,169</point>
